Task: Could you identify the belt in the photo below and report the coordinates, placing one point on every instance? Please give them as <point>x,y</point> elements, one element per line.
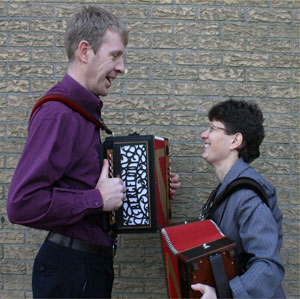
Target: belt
<point>104,251</point>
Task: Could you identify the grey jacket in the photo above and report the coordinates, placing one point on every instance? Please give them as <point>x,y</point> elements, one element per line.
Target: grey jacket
<point>257,231</point>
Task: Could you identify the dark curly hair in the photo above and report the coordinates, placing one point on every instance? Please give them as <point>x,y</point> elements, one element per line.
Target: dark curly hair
<point>245,118</point>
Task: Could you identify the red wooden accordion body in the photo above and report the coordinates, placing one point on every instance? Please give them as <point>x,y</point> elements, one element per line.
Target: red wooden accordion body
<point>142,162</point>
<point>187,249</point>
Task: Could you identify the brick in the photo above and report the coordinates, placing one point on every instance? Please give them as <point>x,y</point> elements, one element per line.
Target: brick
<point>156,287</point>
<point>131,12</point>
<point>277,136</point>
<point>41,86</point>
<point>284,91</point>
<point>138,41</point>
<point>202,2</point>
<point>221,43</point>
<point>30,71</point>
<point>195,89</point>
<point>190,58</point>
<point>9,295</point>
<point>174,103</point>
<point>36,237</point>
<point>244,90</point>
<point>5,176</point>
<point>149,57</point>
<point>49,56</point>
<point>17,282</point>
<point>284,121</point>
<point>265,75</point>
<point>148,88</point>
<point>186,165</point>
<point>272,167</point>
<point>3,40</point>
<point>283,151</point>
<point>212,28</point>
<point>221,14</point>
<point>14,25</point>
<point>15,267</point>
<point>20,252</point>
<point>288,61</point>
<point>284,31</point>
<point>14,55</point>
<point>128,286</point>
<point>146,27</point>
<point>14,86</point>
<point>246,30</point>
<point>285,3</point>
<point>170,12</point>
<point>275,106</point>
<point>221,74</point>
<point>171,72</point>
<point>126,103</point>
<point>245,59</point>
<point>29,10</point>
<point>144,271</point>
<point>154,118</point>
<point>174,42</point>
<point>189,119</point>
<point>150,1</point>
<point>178,134</point>
<point>11,237</point>
<point>269,16</point>
<point>31,40</point>
<point>258,3</point>
<point>24,101</point>
<point>11,115</point>
<point>265,45</point>
<point>141,241</point>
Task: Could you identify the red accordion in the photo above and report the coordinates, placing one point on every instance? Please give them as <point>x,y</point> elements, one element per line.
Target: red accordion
<point>142,162</point>
<point>188,252</point>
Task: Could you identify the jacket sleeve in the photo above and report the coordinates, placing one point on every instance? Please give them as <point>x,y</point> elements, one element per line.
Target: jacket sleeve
<point>260,239</point>
<point>34,199</point>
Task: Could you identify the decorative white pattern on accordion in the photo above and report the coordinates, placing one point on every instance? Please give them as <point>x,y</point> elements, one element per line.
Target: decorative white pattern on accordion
<point>135,177</point>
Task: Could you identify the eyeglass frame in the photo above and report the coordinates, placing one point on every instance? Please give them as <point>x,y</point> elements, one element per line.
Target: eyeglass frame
<point>212,127</point>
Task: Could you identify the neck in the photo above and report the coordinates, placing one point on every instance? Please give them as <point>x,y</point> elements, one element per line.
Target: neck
<point>222,169</point>
<point>76,74</point>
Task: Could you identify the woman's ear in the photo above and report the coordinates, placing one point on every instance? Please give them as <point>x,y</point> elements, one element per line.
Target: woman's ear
<point>236,141</point>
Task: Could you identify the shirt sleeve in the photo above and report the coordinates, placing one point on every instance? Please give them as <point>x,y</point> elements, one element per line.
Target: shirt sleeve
<point>34,198</point>
<point>259,236</point>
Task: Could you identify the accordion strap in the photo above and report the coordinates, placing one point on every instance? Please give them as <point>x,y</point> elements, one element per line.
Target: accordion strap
<point>240,183</point>
<point>74,105</point>
<point>221,282</point>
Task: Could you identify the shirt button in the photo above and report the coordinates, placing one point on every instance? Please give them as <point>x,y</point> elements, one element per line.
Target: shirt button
<point>96,203</point>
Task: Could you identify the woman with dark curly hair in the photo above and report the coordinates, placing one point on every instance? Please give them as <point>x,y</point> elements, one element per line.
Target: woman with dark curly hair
<point>232,141</point>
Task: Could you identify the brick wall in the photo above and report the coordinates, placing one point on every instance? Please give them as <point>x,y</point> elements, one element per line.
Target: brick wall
<point>183,56</point>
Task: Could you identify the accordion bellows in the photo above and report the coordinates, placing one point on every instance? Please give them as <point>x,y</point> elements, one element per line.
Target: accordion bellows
<point>186,252</point>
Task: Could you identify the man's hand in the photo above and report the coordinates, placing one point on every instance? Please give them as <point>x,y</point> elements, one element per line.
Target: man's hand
<point>207,291</point>
<point>174,183</point>
<point>112,189</point>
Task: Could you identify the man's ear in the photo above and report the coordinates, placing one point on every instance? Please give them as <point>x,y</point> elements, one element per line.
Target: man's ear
<point>236,141</point>
<point>83,51</point>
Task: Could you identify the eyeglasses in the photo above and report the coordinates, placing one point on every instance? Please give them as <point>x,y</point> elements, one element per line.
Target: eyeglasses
<point>212,127</point>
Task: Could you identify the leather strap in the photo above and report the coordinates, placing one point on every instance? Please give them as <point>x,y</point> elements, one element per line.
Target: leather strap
<point>73,104</point>
<point>221,282</point>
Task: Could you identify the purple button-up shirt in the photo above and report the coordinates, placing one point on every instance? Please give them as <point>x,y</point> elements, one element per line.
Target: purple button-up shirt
<point>53,187</point>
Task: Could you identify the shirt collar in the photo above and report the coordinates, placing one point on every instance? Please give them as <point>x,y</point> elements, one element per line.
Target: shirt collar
<point>235,171</point>
<point>88,100</point>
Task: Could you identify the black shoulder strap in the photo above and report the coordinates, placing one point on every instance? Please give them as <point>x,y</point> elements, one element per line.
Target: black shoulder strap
<point>74,105</point>
<point>241,183</point>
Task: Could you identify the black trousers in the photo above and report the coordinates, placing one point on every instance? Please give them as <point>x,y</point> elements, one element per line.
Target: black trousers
<point>62,272</point>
